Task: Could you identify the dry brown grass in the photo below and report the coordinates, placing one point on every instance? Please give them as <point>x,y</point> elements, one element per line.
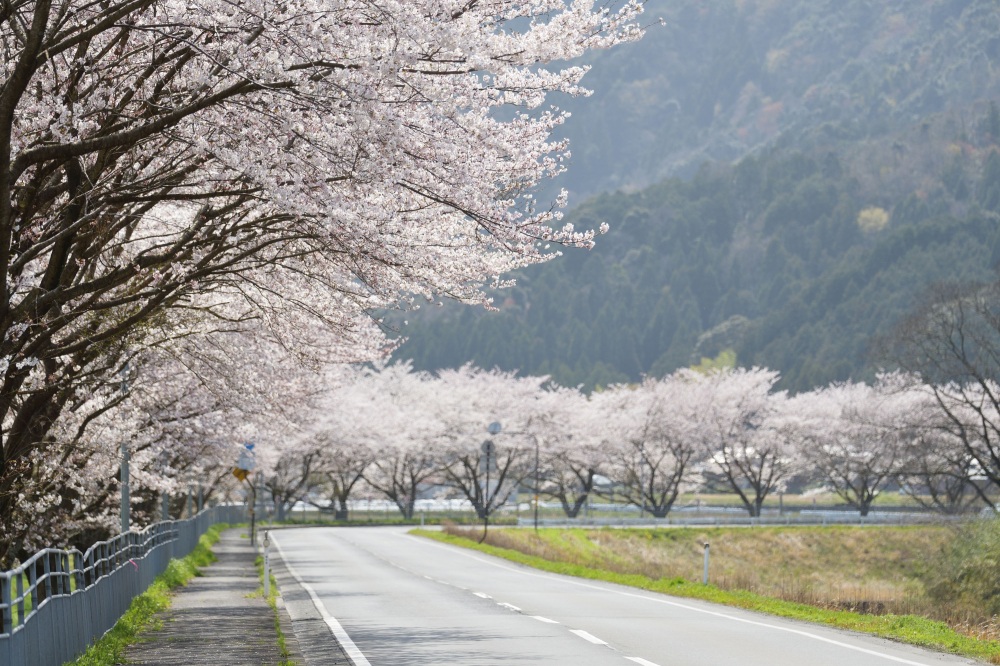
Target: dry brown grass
<point>862,569</point>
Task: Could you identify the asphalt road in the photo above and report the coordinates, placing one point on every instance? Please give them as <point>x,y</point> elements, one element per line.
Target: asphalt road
<point>392,599</point>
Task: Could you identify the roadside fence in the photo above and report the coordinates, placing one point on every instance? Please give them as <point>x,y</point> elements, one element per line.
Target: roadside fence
<point>58,602</point>
<point>732,518</point>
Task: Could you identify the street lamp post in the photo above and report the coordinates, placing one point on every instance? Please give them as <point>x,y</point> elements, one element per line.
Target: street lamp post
<point>537,483</point>
<point>494,429</point>
<point>244,468</point>
<point>489,449</point>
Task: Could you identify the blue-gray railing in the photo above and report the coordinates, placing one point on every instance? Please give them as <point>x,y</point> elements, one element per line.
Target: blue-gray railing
<point>58,602</point>
<point>735,516</point>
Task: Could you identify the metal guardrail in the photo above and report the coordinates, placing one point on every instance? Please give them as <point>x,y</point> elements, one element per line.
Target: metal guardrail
<point>806,517</point>
<point>58,602</point>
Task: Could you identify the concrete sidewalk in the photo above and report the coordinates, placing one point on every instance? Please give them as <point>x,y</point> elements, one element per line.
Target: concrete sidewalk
<point>213,620</point>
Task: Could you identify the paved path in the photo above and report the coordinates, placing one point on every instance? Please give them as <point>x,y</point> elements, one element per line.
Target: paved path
<point>213,620</point>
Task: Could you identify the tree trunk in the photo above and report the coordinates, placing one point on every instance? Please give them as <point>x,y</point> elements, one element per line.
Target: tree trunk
<point>573,510</point>
<point>340,513</point>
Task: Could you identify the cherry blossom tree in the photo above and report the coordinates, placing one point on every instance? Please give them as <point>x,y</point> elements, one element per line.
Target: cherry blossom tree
<point>342,466</point>
<point>289,477</point>
<point>951,344</point>
<point>569,433</point>
<point>651,427</point>
<point>740,428</point>
<point>471,399</point>
<point>161,156</point>
<point>967,415</point>
<point>345,443</point>
<point>937,470</point>
<point>396,408</point>
<point>183,409</point>
<point>854,435</point>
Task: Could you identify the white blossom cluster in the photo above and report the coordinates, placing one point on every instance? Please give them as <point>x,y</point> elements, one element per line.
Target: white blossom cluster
<point>399,434</point>
<point>176,171</point>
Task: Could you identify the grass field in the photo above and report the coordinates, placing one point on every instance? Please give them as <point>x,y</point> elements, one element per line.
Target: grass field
<point>927,585</point>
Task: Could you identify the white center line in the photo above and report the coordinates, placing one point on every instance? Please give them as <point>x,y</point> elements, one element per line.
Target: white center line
<point>482,596</point>
<point>510,606</point>
<point>544,619</point>
<point>668,602</point>
<point>641,661</point>
<point>588,637</point>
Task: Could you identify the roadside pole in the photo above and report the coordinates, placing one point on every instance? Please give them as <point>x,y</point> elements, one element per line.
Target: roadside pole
<point>243,471</point>
<point>267,566</point>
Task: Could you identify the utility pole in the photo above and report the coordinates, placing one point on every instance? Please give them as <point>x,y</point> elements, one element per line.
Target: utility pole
<point>489,450</point>
<point>125,481</point>
<point>537,483</point>
<point>126,519</point>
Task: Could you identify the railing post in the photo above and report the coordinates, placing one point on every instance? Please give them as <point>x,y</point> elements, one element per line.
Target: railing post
<point>7,612</point>
<point>78,570</point>
<point>63,586</point>
<point>32,571</point>
<point>47,572</point>
<point>19,577</point>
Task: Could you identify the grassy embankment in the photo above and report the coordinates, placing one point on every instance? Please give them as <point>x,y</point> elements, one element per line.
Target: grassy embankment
<point>937,587</point>
<point>110,649</point>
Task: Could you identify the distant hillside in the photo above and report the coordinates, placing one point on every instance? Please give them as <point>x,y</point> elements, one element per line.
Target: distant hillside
<point>789,258</point>
<point>832,159</point>
<point>725,77</point>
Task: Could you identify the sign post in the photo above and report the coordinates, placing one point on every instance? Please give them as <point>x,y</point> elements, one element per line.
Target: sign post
<point>244,466</point>
<point>489,451</point>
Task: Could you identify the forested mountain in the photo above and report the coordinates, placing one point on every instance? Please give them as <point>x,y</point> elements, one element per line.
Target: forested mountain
<point>724,77</point>
<point>830,160</point>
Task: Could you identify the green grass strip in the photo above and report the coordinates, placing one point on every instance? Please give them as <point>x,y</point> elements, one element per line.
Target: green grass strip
<point>110,649</point>
<point>909,629</point>
<point>272,601</point>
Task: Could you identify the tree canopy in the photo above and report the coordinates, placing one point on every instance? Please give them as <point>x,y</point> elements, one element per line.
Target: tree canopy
<point>175,169</point>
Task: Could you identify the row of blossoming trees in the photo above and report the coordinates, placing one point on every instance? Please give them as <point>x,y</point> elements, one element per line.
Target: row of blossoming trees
<point>399,433</point>
<point>199,196</point>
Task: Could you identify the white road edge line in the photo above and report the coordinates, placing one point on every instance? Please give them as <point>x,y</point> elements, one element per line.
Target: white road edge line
<point>641,661</point>
<point>591,638</point>
<point>544,619</point>
<point>353,653</point>
<point>799,632</point>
